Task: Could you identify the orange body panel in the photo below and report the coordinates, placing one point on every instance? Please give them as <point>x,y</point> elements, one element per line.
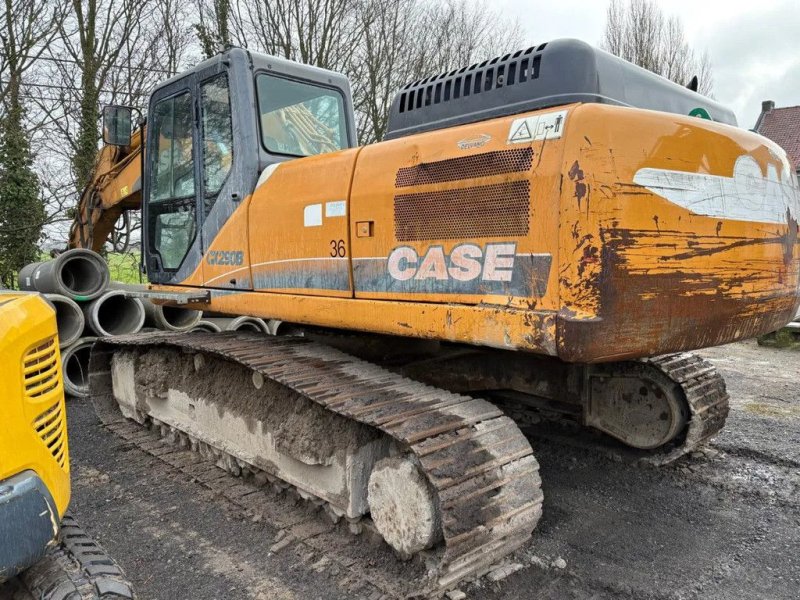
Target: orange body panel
<point>221,267</point>
<point>447,190</point>
<point>299,227</point>
<point>589,232</point>
<point>641,271</point>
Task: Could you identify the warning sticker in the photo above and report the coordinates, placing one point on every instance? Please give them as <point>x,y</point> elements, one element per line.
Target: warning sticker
<point>541,127</point>
<point>521,130</point>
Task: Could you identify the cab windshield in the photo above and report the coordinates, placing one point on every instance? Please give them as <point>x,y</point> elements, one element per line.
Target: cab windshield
<point>298,118</point>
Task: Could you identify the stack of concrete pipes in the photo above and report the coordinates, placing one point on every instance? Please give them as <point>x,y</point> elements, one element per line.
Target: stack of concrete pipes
<point>215,323</point>
<point>88,305</point>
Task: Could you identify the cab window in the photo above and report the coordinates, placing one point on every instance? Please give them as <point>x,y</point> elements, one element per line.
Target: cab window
<point>298,118</point>
<point>173,164</point>
<point>217,136</point>
<point>171,201</point>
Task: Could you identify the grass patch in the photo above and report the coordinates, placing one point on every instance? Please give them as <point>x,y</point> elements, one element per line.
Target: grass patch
<point>783,338</point>
<point>124,267</point>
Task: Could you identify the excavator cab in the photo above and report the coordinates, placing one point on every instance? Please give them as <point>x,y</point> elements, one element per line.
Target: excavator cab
<point>211,132</point>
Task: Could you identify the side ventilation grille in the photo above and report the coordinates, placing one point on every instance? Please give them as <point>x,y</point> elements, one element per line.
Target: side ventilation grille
<point>50,428</point>
<point>497,210</point>
<point>465,167</point>
<point>40,369</point>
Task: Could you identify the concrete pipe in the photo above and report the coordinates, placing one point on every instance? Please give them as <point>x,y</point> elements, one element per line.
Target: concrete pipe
<point>239,324</point>
<point>278,327</point>
<point>114,313</point>
<point>75,367</point>
<point>166,318</point>
<point>78,274</point>
<point>206,325</point>
<point>171,318</point>
<point>69,319</point>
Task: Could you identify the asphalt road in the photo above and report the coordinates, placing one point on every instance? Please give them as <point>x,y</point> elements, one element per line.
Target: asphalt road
<point>724,523</point>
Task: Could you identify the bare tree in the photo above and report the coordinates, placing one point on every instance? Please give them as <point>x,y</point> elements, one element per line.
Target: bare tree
<point>380,44</point>
<point>28,26</point>
<point>213,26</point>
<point>173,32</point>
<point>137,43</point>
<point>638,31</point>
<point>94,39</point>
<point>323,33</point>
<point>406,40</point>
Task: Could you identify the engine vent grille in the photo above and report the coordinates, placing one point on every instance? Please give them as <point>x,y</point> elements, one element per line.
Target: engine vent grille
<point>51,429</point>
<point>40,369</point>
<point>511,69</point>
<point>465,167</point>
<point>497,210</point>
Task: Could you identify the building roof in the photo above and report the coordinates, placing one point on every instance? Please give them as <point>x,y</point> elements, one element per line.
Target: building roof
<point>782,126</point>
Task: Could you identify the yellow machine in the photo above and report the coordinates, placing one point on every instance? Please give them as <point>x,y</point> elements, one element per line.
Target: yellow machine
<point>34,458</point>
<point>549,230</point>
<point>34,466</point>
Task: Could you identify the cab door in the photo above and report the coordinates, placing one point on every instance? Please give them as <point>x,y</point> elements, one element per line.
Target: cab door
<point>228,166</point>
<point>171,199</point>
<point>201,165</point>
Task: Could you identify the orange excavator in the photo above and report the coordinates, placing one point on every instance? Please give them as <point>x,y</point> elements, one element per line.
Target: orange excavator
<point>548,232</point>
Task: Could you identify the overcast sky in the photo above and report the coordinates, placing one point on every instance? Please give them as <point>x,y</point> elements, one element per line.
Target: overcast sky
<point>754,45</point>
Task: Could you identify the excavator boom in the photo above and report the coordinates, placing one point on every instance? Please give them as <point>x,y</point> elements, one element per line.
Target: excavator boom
<point>116,187</point>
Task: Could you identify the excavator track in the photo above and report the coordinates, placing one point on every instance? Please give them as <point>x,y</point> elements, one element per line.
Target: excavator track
<point>698,385</point>
<point>692,382</point>
<point>479,464</point>
<point>706,396</point>
<point>77,568</point>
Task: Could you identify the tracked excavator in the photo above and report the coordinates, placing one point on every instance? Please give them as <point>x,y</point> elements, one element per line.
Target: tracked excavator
<point>548,232</point>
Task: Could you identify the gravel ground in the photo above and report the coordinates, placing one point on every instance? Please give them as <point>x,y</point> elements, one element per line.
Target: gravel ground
<point>723,523</point>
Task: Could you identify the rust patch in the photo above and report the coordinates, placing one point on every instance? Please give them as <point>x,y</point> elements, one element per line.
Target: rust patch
<point>576,175</point>
<point>790,239</point>
<point>653,302</point>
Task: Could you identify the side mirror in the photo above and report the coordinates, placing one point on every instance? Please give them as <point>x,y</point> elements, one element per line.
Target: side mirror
<point>117,125</point>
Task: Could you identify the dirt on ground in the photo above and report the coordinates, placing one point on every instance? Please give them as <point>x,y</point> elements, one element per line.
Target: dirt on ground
<point>723,523</point>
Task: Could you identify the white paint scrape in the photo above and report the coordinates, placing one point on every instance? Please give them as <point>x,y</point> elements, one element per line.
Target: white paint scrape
<point>747,196</point>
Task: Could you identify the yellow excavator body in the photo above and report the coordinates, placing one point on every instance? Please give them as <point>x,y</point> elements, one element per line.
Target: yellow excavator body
<point>34,456</point>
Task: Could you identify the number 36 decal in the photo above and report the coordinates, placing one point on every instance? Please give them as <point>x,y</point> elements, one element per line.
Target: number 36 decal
<point>337,248</point>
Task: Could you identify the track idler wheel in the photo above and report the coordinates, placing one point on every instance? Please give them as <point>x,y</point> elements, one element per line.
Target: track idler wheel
<point>404,506</point>
<point>636,403</point>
